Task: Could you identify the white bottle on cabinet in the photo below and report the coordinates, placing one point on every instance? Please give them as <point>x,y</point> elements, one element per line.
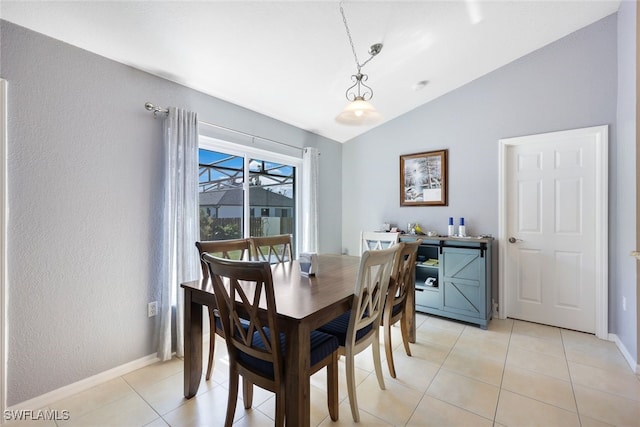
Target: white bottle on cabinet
<point>462,232</point>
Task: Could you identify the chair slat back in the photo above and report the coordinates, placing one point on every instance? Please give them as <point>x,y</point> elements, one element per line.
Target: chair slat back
<point>239,249</point>
<point>274,249</point>
<point>371,289</point>
<point>240,287</point>
<point>403,272</point>
<point>377,240</point>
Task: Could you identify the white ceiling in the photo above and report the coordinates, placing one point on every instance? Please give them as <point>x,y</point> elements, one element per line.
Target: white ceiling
<point>291,60</point>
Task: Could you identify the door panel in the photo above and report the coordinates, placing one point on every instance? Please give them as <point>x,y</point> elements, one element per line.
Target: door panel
<point>529,269</point>
<point>529,206</point>
<point>568,276</point>
<point>551,205</point>
<point>568,200</point>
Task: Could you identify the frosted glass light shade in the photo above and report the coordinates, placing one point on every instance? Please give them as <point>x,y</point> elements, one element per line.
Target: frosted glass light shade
<point>359,112</point>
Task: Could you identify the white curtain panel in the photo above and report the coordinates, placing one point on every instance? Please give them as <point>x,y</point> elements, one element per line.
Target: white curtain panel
<point>310,160</point>
<point>180,224</point>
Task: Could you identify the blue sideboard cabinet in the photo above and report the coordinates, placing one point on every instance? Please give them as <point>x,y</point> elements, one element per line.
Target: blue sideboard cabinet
<point>453,278</point>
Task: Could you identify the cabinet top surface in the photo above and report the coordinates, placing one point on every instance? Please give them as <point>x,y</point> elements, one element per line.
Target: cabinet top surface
<point>431,239</point>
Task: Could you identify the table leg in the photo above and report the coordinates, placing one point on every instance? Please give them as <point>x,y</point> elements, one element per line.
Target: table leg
<point>410,311</point>
<point>192,344</point>
<point>298,381</point>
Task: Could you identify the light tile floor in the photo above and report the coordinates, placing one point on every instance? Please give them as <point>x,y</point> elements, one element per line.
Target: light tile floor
<point>513,374</point>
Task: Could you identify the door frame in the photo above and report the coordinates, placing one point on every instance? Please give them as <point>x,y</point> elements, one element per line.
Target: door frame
<point>601,134</point>
<point>3,244</point>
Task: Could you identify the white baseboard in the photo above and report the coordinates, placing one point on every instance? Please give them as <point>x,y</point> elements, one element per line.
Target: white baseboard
<point>47,399</point>
<point>635,367</point>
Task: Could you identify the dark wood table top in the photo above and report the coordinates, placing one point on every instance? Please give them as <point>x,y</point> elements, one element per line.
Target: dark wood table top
<point>297,296</point>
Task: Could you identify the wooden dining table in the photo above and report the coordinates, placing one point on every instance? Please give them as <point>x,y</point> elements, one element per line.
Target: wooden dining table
<point>303,304</point>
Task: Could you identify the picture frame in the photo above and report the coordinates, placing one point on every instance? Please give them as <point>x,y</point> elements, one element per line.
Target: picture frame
<point>424,179</point>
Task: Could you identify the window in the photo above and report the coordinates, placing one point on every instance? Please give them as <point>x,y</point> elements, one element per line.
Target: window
<point>245,192</point>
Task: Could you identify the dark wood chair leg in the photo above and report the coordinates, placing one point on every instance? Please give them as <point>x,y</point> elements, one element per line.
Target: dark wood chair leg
<point>212,342</point>
<point>279,421</point>
<point>233,397</point>
<point>332,387</point>
<point>406,334</point>
<point>387,345</point>
<point>247,393</point>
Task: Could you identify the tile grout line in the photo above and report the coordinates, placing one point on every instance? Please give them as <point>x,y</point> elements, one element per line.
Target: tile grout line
<point>573,391</point>
<point>437,372</point>
<point>425,394</point>
<point>504,369</point>
<point>145,401</point>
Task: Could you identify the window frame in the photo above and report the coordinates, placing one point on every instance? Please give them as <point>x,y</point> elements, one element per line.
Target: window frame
<point>248,153</point>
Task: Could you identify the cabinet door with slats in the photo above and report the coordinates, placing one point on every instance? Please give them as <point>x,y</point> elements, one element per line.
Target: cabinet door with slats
<point>462,278</point>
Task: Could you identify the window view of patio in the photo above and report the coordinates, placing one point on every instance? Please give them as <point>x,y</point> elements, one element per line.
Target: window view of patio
<point>269,210</point>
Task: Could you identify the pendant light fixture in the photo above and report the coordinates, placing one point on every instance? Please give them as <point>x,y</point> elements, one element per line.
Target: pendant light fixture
<point>359,111</point>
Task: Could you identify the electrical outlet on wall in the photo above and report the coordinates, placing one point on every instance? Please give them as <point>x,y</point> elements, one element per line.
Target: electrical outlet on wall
<point>152,308</point>
<point>624,303</point>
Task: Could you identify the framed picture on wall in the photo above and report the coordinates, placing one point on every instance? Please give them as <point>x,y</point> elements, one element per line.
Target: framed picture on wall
<point>423,179</point>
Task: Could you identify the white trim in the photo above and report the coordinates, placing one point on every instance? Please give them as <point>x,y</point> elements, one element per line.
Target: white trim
<point>633,364</point>
<point>602,222</point>
<point>602,230</point>
<point>47,399</point>
<point>208,142</point>
<point>3,244</point>
<point>502,227</point>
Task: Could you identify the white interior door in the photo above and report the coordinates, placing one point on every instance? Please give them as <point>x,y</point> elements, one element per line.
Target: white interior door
<point>553,231</point>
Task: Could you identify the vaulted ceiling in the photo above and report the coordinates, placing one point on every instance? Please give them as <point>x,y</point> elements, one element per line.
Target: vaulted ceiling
<point>291,60</point>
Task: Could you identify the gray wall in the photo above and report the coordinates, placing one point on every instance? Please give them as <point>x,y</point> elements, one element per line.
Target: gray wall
<point>624,172</point>
<point>569,84</point>
<point>84,166</point>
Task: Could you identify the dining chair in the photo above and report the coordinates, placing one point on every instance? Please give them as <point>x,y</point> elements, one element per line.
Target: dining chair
<point>376,240</point>
<point>402,277</point>
<point>273,249</point>
<point>231,249</point>
<point>359,328</point>
<point>255,344</point>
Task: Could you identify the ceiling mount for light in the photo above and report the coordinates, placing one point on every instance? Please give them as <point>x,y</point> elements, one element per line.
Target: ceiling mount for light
<point>359,111</point>
<point>375,49</point>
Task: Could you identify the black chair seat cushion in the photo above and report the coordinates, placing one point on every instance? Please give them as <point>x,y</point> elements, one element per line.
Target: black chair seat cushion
<point>338,328</point>
<point>245,323</point>
<point>396,309</point>
<point>322,345</point>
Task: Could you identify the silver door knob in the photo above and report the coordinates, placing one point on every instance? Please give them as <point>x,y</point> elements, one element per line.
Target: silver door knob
<point>514,240</point>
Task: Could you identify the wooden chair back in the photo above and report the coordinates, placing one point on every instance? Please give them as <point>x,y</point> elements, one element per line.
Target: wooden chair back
<point>403,273</point>
<point>240,287</point>
<point>395,308</point>
<point>370,293</point>
<point>273,249</point>
<point>376,240</point>
<point>231,249</point>
<point>363,327</point>
<point>239,249</point>
<point>254,342</point>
